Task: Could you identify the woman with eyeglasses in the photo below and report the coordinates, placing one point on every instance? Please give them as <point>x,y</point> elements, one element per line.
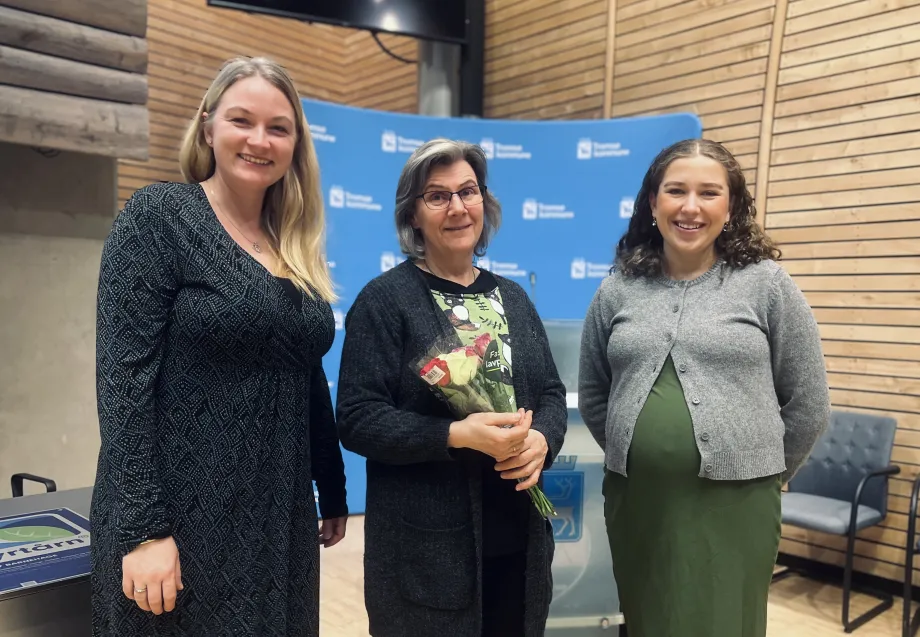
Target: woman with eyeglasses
<point>453,544</point>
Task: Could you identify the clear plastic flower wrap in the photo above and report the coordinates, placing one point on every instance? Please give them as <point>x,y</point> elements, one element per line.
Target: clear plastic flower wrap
<point>469,379</point>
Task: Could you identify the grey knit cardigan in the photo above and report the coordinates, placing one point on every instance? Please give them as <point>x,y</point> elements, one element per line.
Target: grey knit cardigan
<point>423,519</point>
<point>748,353</point>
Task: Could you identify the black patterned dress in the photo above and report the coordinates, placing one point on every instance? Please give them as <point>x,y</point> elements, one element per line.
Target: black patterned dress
<point>215,418</point>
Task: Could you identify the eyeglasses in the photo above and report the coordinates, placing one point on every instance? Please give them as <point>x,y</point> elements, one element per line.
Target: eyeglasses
<point>440,199</point>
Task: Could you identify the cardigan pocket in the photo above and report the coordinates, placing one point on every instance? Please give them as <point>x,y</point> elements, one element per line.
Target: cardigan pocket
<point>437,567</point>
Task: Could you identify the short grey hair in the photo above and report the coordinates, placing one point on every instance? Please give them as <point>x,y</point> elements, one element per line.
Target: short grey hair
<point>441,152</point>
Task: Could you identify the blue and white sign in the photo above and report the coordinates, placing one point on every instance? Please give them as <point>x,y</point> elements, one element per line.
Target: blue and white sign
<point>585,594</point>
<point>43,547</point>
<point>567,191</point>
<point>566,490</point>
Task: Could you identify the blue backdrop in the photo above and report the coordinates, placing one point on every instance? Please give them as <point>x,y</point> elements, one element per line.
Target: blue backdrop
<point>566,189</point>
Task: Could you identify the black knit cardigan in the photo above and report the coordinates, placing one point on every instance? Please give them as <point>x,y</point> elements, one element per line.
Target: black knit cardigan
<point>423,519</point>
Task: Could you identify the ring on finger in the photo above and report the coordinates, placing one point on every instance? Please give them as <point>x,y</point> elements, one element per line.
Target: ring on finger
<point>140,590</point>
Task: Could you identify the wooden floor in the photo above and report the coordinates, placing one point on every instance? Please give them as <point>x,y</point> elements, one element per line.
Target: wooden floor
<point>803,608</point>
<point>798,607</point>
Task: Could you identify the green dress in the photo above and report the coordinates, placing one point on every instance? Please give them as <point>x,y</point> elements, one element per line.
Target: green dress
<point>692,557</point>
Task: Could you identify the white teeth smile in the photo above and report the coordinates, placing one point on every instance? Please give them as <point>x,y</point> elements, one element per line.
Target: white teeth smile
<point>688,226</point>
<point>256,160</point>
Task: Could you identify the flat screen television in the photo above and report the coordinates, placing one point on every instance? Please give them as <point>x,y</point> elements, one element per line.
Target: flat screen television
<point>440,20</point>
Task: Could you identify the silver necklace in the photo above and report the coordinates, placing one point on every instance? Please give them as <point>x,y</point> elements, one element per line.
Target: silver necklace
<point>255,244</point>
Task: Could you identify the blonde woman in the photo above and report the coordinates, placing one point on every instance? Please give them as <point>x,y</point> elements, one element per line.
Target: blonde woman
<point>215,414</point>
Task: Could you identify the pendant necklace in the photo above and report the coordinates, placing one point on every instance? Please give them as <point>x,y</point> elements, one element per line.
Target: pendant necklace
<point>255,244</point>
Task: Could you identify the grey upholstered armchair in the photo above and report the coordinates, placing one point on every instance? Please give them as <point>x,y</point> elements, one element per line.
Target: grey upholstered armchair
<point>842,489</point>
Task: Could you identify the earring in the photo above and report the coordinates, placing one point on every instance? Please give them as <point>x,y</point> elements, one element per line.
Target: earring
<point>654,221</point>
<point>725,228</point>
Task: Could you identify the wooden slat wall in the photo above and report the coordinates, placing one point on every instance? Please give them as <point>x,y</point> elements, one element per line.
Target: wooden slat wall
<point>188,41</point>
<point>844,201</point>
<point>842,189</point>
<point>707,57</point>
<point>376,80</point>
<point>828,107</point>
<point>544,59</point>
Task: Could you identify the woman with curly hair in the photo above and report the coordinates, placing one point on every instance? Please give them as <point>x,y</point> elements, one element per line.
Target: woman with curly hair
<point>702,378</point>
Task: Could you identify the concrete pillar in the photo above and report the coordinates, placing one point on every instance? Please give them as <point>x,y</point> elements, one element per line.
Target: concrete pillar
<point>438,79</point>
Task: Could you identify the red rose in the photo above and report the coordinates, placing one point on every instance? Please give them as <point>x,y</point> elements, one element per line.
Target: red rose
<point>481,343</point>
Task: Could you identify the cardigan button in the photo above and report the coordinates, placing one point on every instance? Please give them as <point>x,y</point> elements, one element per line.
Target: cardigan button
<point>708,468</point>
<point>704,437</point>
<point>696,401</point>
<point>682,368</point>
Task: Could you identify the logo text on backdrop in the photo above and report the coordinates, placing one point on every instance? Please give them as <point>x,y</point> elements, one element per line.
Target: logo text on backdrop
<point>584,269</point>
<point>533,209</point>
<point>391,142</point>
<point>589,149</point>
<point>498,150</point>
<point>341,198</point>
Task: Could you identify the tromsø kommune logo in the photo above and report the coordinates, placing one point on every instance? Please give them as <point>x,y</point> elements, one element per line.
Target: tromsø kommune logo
<point>584,269</point>
<point>588,148</point>
<point>533,209</point>
<point>391,142</point>
<point>501,268</point>
<point>627,205</point>
<point>341,198</point>
<point>336,197</point>
<point>498,150</point>
<point>321,134</point>
<point>389,260</point>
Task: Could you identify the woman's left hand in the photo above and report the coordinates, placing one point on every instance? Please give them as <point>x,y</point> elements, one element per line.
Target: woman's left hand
<point>528,463</point>
<point>332,531</point>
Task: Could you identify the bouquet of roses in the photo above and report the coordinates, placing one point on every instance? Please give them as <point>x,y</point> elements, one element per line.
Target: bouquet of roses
<point>469,379</point>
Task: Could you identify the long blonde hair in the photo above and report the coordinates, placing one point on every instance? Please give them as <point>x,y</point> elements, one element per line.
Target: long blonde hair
<point>292,214</point>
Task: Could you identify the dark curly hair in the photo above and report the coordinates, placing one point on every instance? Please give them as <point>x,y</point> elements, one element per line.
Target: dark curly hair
<point>639,251</point>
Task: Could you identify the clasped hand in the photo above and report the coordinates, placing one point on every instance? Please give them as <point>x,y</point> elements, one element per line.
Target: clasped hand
<point>519,450</point>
